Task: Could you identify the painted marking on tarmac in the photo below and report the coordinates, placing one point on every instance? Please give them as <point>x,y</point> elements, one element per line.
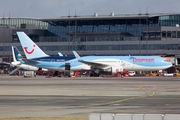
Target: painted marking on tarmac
<point>122,100</point>
<point>93,105</point>
<point>131,98</point>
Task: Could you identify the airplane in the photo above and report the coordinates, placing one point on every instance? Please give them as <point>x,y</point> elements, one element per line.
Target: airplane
<point>120,64</point>
<point>16,56</point>
<point>36,57</point>
<point>113,64</point>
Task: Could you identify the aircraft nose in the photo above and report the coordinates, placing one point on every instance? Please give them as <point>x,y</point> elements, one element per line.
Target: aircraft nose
<point>169,64</point>
<point>168,61</point>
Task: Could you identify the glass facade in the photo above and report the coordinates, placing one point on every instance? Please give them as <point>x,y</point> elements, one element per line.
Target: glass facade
<point>16,22</point>
<point>114,47</point>
<point>77,31</point>
<point>124,27</point>
<point>169,20</point>
<point>90,38</point>
<point>119,28</point>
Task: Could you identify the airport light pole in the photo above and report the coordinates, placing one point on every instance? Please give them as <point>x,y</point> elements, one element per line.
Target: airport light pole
<point>147,33</point>
<point>10,37</point>
<point>3,34</point>
<point>69,33</point>
<point>75,31</point>
<point>140,31</point>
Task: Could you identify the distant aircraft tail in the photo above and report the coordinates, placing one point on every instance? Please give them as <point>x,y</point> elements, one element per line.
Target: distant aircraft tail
<point>16,54</point>
<point>30,49</point>
<point>77,56</point>
<point>60,54</point>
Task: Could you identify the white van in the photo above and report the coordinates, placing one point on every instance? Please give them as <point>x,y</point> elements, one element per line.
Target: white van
<point>28,74</point>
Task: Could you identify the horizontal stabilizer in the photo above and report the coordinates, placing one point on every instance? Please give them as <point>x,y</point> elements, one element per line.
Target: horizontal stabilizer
<point>5,63</point>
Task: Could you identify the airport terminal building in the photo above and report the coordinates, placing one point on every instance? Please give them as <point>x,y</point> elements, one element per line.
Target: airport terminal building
<point>129,34</point>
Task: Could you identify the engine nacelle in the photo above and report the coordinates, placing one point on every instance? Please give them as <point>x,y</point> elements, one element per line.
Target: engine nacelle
<point>115,70</point>
<point>119,70</point>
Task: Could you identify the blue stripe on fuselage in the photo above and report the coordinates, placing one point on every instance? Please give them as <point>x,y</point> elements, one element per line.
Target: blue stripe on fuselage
<point>54,58</point>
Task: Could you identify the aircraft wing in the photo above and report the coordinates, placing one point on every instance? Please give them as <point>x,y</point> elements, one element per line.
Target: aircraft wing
<point>92,64</point>
<point>32,61</point>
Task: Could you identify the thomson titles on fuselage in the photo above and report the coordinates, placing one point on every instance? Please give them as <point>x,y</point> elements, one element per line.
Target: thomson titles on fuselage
<point>143,59</point>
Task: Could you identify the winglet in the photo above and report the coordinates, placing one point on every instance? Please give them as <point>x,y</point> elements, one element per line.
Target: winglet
<point>60,54</point>
<point>77,56</point>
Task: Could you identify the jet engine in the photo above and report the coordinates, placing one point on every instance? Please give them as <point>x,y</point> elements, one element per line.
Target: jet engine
<point>113,69</point>
<point>116,71</point>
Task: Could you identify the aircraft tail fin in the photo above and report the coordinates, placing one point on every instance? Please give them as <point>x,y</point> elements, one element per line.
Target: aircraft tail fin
<point>16,54</point>
<point>30,48</point>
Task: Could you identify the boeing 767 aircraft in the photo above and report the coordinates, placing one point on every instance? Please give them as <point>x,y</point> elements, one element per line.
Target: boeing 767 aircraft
<point>119,63</point>
<point>114,64</point>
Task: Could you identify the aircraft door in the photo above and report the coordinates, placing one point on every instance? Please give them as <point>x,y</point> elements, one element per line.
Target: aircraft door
<point>157,62</point>
<point>67,66</point>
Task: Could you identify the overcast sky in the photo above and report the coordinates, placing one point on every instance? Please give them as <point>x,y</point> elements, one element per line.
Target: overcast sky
<point>57,8</point>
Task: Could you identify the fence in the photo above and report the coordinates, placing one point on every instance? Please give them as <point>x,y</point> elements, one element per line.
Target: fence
<point>110,116</point>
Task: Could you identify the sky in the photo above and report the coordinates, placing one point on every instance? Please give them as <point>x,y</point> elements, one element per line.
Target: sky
<point>58,8</point>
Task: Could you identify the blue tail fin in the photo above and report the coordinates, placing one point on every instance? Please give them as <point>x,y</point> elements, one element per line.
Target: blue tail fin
<point>16,54</point>
<point>31,50</point>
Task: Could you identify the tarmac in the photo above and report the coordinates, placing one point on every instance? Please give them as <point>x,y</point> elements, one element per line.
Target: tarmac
<point>80,96</point>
